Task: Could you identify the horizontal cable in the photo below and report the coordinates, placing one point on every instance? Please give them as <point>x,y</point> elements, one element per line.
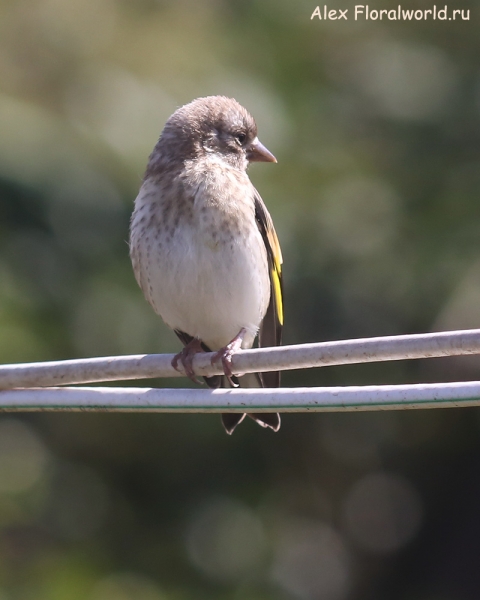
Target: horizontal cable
<point>302,356</point>
<point>325,399</point>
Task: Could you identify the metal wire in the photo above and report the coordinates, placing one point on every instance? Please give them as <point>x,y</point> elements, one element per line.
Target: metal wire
<point>302,356</point>
<point>38,376</point>
<point>326,399</point>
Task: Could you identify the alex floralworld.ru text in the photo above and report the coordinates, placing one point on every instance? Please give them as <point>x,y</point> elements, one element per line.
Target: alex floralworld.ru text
<point>364,12</point>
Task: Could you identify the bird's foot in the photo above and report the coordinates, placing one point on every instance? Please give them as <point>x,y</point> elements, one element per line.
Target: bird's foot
<point>193,347</point>
<point>225,355</point>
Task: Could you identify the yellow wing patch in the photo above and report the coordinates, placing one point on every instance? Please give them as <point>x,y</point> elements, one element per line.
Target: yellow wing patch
<point>272,244</point>
<point>278,294</point>
<point>276,271</point>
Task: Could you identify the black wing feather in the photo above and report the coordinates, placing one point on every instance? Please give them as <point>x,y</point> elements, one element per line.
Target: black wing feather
<point>270,333</point>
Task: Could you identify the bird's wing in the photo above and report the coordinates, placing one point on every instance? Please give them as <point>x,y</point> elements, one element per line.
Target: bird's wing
<point>270,333</point>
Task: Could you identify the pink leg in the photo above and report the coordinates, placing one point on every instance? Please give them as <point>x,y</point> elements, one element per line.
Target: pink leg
<point>186,356</point>
<point>225,354</point>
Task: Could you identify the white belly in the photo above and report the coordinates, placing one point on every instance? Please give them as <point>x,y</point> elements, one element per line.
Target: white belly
<point>210,291</point>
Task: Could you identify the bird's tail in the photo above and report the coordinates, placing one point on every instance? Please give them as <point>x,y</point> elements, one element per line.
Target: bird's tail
<point>231,420</point>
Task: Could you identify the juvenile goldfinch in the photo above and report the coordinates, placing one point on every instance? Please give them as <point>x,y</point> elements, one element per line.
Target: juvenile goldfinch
<point>202,242</point>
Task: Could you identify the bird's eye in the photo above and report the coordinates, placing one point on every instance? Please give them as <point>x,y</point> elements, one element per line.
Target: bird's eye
<point>241,137</point>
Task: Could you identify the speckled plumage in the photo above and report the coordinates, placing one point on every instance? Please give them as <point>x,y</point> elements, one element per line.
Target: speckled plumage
<point>198,250</point>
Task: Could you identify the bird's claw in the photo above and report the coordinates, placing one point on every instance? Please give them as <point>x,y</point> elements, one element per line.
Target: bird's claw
<point>225,355</point>
<point>186,357</point>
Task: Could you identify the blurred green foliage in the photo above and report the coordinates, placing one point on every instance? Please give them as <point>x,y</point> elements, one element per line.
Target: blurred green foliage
<point>376,127</point>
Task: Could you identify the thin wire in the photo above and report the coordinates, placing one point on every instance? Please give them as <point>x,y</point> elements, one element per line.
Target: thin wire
<point>118,368</point>
<point>327,399</point>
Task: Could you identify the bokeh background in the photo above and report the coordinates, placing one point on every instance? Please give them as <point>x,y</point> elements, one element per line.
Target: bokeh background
<point>376,127</point>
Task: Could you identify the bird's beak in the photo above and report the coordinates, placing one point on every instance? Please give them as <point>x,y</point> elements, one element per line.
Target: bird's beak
<point>256,152</point>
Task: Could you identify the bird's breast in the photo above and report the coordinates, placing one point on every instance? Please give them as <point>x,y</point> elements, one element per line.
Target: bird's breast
<point>203,263</point>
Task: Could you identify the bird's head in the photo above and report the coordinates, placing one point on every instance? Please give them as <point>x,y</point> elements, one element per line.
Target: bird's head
<point>219,126</point>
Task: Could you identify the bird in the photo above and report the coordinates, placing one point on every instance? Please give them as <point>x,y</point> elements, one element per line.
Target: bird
<point>203,245</point>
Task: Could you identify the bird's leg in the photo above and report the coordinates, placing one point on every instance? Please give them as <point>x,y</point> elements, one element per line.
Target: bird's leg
<point>193,347</point>
<point>225,354</point>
